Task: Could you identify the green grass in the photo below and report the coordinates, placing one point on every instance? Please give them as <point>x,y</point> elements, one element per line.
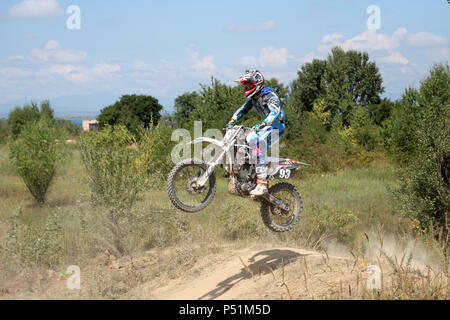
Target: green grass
<point>362,193</point>
<point>338,207</point>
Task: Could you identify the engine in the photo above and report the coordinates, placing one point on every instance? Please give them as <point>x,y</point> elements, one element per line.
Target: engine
<point>242,182</point>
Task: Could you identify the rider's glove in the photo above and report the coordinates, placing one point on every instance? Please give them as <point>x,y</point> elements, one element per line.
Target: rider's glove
<point>259,126</point>
<point>231,123</point>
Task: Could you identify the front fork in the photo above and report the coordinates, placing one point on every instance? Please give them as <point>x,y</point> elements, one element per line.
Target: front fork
<point>204,177</point>
<point>275,202</point>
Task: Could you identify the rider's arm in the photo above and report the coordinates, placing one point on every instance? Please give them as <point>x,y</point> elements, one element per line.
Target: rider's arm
<point>242,110</point>
<point>274,105</point>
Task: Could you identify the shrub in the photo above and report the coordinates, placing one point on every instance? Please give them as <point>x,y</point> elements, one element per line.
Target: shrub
<point>365,132</point>
<point>157,146</point>
<point>36,243</point>
<point>242,224</point>
<point>35,156</point>
<point>71,129</point>
<point>117,167</point>
<point>425,185</point>
<point>342,138</point>
<point>331,223</point>
<point>4,131</point>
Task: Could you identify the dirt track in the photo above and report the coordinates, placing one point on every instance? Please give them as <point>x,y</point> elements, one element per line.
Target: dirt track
<point>250,273</point>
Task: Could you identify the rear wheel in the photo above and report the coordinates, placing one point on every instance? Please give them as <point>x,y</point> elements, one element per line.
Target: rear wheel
<point>277,219</point>
<point>182,186</point>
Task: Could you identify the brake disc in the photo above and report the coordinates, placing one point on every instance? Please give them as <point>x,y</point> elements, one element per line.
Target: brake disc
<point>279,211</point>
<point>191,186</point>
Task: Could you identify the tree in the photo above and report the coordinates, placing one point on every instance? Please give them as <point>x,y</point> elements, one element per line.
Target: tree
<point>280,89</point>
<point>47,113</point>
<point>350,80</point>
<point>308,86</point>
<point>184,105</point>
<point>399,131</point>
<point>344,80</point>
<point>425,185</point>
<point>133,111</point>
<point>20,117</point>
<point>381,111</point>
<point>217,104</point>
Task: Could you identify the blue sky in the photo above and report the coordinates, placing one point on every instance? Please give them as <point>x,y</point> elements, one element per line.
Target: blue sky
<point>165,48</point>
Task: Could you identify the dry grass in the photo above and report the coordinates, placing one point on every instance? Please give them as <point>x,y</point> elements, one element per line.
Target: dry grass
<point>360,195</point>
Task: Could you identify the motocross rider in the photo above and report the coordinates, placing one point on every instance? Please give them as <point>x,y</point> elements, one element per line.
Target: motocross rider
<point>268,106</point>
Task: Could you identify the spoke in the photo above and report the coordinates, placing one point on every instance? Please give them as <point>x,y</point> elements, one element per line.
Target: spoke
<point>185,187</point>
<point>289,199</point>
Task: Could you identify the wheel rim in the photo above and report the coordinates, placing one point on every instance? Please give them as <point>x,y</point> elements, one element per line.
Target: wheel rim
<point>280,216</point>
<point>185,188</point>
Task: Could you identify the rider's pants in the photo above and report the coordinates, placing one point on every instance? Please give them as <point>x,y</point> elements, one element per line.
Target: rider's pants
<point>260,142</point>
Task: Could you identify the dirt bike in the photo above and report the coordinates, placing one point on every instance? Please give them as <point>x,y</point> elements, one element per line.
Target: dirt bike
<point>192,184</point>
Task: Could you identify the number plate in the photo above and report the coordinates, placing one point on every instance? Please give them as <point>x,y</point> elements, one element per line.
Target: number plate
<point>285,173</point>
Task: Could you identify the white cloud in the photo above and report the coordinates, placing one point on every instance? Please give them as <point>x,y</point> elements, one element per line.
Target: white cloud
<point>72,73</point>
<point>53,63</point>
<point>82,74</point>
<point>270,25</point>
<point>104,69</point>
<point>205,64</point>
<point>406,70</point>
<point>425,39</point>
<point>14,73</point>
<point>394,57</point>
<point>328,41</point>
<point>308,58</point>
<point>331,37</point>
<point>36,9</point>
<point>52,52</point>
<point>248,61</point>
<point>285,76</point>
<point>370,40</point>
<point>271,56</point>
<point>268,56</point>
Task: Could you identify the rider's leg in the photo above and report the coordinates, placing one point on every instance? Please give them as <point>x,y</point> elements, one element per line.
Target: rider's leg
<point>260,142</point>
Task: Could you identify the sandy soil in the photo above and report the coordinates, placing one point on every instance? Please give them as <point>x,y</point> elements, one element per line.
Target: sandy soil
<point>248,273</point>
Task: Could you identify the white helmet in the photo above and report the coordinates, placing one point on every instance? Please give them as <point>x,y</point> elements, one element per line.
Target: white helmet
<point>253,82</point>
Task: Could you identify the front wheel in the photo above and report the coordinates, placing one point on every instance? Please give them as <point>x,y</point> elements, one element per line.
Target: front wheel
<point>277,219</point>
<point>183,191</point>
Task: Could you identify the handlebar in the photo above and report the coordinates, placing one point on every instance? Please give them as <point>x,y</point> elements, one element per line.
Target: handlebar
<point>243,127</point>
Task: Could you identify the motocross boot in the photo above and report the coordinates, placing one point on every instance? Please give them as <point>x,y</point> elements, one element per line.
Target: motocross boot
<point>261,187</point>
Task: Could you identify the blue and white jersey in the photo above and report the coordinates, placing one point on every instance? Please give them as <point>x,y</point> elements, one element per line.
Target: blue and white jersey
<point>267,104</point>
